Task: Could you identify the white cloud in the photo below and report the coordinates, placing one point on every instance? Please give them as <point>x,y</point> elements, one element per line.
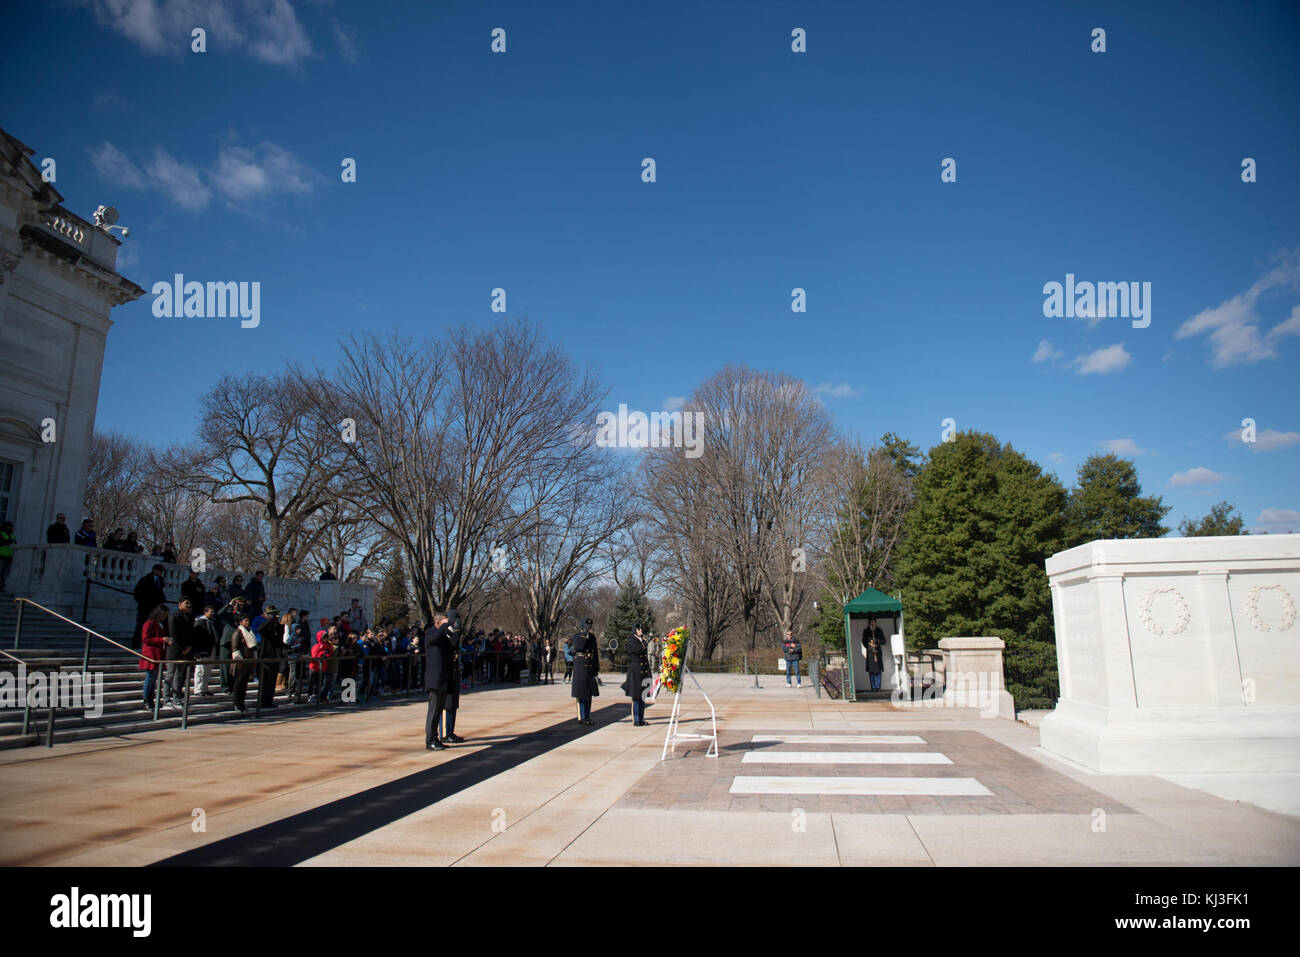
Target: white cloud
<point>1057,457</point>
<point>674,402</point>
<point>346,41</point>
<point>116,167</point>
<point>244,175</point>
<point>1110,359</point>
<point>179,181</point>
<point>1123,447</point>
<point>840,390</point>
<point>1234,326</point>
<point>1197,476</point>
<point>266,30</point>
<point>1046,352</point>
<point>1268,440</point>
<point>1275,520</point>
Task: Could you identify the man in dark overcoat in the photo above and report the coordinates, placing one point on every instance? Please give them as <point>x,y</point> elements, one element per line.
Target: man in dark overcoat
<point>638,680</point>
<point>442,680</point>
<point>586,669</point>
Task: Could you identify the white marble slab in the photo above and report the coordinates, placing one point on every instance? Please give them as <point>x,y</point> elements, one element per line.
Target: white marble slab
<point>845,757</point>
<point>839,738</point>
<point>899,786</point>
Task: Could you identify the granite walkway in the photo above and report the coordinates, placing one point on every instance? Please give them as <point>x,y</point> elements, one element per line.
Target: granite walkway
<point>870,784</point>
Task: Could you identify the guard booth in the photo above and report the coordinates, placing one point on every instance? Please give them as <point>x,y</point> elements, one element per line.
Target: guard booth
<point>888,613</point>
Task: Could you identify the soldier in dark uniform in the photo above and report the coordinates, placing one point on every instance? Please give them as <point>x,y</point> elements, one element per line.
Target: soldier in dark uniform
<point>638,676</point>
<point>586,667</point>
<point>442,680</point>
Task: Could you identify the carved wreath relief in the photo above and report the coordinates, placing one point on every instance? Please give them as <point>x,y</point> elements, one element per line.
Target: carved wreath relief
<point>1252,607</point>
<point>1182,614</point>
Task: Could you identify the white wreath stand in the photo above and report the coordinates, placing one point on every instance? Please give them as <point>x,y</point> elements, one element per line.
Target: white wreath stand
<point>673,735</point>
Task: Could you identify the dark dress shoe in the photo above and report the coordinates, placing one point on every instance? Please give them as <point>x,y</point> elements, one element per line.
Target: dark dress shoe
<point>435,746</point>
<point>454,738</point>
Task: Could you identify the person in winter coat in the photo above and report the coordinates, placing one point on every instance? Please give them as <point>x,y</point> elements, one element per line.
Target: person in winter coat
<point>317,691</point>
<point>442,680</point>
<point>154,649</point>
<point>229,617</point>
<point>271,651</point>
<point>297,646</point>
<point>149,594</point>
<point>637,684</point>
<point>873,639</point>
<point>245,650</point>
<point>568,660</point>
<point>180,649</point>
<point>793,651</point>
<point>586,671</point>
<point>207,635</point>
<point>192,588</point>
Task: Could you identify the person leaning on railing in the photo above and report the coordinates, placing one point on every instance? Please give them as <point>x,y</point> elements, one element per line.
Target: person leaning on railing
<point>296,645</point>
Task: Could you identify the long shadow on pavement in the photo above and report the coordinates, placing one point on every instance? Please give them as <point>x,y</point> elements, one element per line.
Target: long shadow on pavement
<point>300,837</point>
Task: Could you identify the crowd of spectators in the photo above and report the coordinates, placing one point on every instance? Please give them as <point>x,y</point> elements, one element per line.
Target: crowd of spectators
<point>118,540</point>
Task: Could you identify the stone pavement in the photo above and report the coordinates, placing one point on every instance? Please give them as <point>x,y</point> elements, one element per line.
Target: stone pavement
<point>354,786</point>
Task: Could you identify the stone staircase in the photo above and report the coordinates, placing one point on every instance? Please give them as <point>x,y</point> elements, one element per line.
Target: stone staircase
<point>53,646</point>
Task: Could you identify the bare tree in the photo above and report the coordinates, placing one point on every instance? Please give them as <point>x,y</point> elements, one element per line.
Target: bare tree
<point>449,437</point>
<point>870,498</point>
<point>764,438</point>
<point>258,442</point>
<point>677,499</point>
<point>117,468</point>
<point>577,507</point>
<point>636,554</point>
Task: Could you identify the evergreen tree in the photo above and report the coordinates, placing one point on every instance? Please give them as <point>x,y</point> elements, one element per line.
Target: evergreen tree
<point>393,601</point>
<point>631,609</point>
<point>1108,503</point>
<point>1222,520</point>
<point>985,520</point>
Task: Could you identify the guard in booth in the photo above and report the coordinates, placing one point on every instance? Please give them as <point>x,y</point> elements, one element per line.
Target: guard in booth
<point>586,670</point>
<point>441,644</point>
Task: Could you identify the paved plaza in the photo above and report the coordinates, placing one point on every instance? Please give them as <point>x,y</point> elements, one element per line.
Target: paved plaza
<point>799,780</point>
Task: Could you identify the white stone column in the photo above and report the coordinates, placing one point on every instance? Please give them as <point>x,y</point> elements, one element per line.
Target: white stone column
<point>973,676</point>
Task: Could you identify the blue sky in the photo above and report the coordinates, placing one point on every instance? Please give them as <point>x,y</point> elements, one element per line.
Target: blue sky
<point>775,170</point>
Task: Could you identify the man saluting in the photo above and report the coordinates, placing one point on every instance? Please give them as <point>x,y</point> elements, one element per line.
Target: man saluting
<point>441,679</point>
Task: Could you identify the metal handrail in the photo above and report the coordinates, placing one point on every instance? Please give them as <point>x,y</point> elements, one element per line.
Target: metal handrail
<point>85,604</point>
<point>27,706</point>
<point>85,661</point>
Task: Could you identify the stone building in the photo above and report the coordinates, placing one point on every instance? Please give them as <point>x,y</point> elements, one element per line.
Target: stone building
<point>58,286</point>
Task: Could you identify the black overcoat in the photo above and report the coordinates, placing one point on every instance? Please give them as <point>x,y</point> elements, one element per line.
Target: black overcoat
<point>586,666</point>
<point>441,670</point>
<point>637,685</point>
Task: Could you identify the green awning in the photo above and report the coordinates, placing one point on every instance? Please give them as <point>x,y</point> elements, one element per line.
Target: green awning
<point>873,602</point>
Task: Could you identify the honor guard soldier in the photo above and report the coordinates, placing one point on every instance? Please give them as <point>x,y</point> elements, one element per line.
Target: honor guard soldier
<point>638,675</point>
<point>586,668</point>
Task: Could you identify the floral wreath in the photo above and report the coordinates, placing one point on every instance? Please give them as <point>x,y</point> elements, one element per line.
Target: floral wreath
<point>1181,616</point>
<point>670,666</point>
<point>1252,608</point>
